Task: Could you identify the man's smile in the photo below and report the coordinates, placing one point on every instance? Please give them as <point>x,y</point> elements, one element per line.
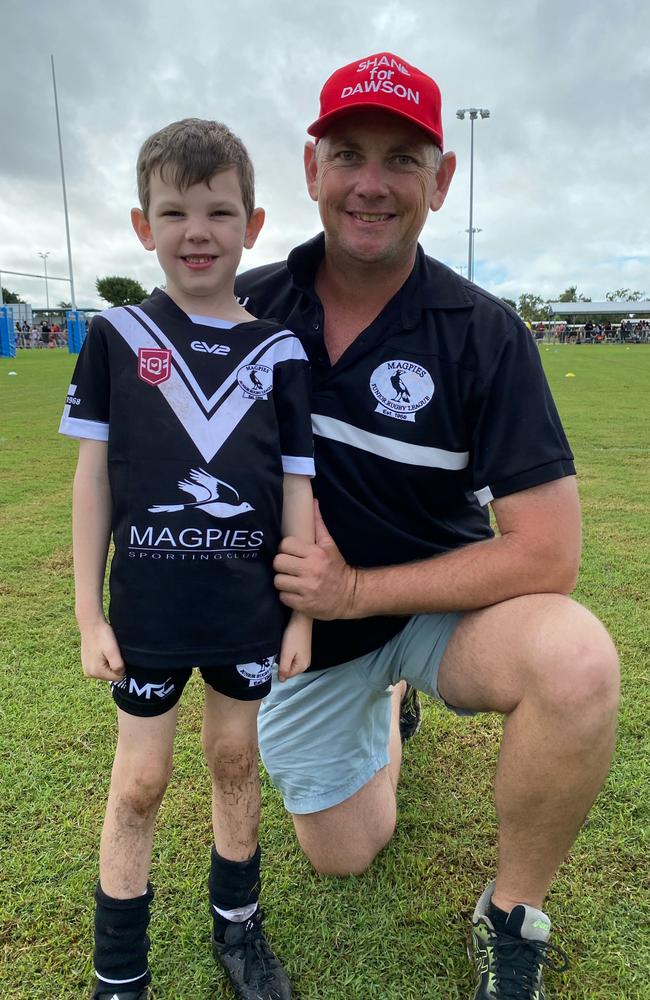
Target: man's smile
<point>371,216</point>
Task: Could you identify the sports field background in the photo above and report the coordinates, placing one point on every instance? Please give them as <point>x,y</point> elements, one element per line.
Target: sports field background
<point>398,932</point>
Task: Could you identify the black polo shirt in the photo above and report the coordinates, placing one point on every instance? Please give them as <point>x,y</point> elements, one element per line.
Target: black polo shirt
<point>438,407</point>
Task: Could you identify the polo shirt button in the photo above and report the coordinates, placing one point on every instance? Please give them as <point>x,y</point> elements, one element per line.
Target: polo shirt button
<point>316,325</point>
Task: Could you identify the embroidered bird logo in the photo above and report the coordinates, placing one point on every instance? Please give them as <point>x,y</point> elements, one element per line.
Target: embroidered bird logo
<point>401,392</point>
<point>210,494</point>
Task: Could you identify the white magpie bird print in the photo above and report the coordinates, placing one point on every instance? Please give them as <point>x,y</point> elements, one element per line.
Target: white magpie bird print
<point>210,494</point>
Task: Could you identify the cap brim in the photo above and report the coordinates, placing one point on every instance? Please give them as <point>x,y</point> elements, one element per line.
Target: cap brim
<point>321,125</point>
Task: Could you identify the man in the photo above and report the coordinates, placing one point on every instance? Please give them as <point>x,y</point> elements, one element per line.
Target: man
<point>429,404</point>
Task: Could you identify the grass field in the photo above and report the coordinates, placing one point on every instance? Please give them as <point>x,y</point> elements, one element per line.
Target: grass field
<point>397,933</point>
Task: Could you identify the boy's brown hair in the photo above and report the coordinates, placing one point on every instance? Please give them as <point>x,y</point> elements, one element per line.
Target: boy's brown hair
<point>190,152</point>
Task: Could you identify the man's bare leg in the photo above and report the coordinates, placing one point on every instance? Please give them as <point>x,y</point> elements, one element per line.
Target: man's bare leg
<point>141,771</point>
<point>553,672</point>
<point>549,666</point>
<point>365,822</point>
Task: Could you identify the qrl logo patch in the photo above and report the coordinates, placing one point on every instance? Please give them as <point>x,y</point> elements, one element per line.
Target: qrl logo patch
<point>154,365</point>
<point>401,388</point>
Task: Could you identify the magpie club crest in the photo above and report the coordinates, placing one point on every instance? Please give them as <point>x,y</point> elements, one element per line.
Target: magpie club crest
<point>154,365</point>
<point>255,381</point>
<point>401,388</point>
<point>258,672</point>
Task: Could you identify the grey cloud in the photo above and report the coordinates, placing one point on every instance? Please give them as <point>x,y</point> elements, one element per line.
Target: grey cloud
<point>560,167</point>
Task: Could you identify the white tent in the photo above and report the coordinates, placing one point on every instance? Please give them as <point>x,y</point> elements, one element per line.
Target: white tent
<point>599,308</point>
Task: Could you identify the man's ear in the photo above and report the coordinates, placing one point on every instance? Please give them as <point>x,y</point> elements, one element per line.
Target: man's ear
<point>311,170</point>
<point>253,227</point>
<point>142,228</point>
<point>444,175</point>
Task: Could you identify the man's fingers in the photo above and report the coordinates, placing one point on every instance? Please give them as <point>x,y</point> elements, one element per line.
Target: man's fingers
<point>288,584</point>
<point>287,564</point>
<point>293,601</point>
<point>295,547</point>
<point>323,536</point>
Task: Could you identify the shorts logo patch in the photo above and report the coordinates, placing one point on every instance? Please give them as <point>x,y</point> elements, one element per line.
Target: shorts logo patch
<point>255,381</point>
<point>154,365</point>
<point>148,689</point>
<point>258,672</point>
<point>401,388</point>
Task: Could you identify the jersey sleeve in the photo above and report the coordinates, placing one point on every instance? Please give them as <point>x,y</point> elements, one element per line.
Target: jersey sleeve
<point>518,440</point>
<point>86,411</point>
<point>292,394</point>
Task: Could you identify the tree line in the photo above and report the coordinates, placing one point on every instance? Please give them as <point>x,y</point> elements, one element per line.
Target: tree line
<point>118,290</point>
<point>533,308</point>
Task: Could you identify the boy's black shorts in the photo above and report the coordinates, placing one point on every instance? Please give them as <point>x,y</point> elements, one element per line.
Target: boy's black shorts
<point>148,693</point>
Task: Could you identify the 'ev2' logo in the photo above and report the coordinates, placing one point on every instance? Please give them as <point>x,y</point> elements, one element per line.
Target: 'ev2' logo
<point>203,348</point>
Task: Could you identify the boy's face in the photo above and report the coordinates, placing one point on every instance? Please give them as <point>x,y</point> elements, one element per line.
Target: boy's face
<point>198,236</point>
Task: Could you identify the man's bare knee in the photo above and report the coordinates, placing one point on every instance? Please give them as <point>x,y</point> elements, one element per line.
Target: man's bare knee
<point>341,855</point>
<point>581,677</point>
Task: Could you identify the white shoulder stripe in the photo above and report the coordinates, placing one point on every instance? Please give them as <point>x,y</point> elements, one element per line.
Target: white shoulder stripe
<point>396,451</point>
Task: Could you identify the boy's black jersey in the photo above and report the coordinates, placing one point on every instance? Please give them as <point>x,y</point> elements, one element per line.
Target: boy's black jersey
<point>202,418</point>
<point>435,409</point>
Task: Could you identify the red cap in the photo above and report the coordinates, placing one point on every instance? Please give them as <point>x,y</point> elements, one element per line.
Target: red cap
<point>381,81</point>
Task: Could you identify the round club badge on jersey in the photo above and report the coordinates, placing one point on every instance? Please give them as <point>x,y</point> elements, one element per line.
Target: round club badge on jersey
<point>255,381</point>
<point>401,388</point>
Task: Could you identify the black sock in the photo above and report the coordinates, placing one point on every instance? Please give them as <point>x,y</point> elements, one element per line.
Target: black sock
<point>498,918</point>
<point>121,940</point>
<point>232,884</point>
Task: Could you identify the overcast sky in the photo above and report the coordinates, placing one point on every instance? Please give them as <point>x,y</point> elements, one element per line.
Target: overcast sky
<point>561,166</point>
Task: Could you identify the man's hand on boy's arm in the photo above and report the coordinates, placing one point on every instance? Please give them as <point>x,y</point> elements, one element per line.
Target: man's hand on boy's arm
<point>295,652</point>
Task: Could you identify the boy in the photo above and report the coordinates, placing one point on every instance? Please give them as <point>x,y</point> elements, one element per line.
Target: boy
<point>196,453</point>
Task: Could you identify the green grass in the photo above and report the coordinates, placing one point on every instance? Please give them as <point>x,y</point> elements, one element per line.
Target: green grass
<point>396,933</point>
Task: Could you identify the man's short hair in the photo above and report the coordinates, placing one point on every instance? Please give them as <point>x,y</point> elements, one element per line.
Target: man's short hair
<point>190,152</point>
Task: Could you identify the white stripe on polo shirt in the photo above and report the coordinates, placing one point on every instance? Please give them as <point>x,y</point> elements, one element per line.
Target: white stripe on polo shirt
<point>396,451</point>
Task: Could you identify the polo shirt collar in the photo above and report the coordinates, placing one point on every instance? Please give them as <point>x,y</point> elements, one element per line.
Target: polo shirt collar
<point>430,285</point>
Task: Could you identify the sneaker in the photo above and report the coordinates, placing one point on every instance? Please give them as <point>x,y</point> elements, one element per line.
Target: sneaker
<point>410,714</point>
<point>510,965</point>
<point>252,968</point>
<point>139,994</point>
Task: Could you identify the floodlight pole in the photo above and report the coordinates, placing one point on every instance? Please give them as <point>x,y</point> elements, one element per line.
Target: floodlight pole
<point>65,199</point>
<point>473,115</point>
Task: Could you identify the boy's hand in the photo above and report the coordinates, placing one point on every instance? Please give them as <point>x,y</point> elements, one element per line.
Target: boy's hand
<point>295,651</point>
<point>100,653</point>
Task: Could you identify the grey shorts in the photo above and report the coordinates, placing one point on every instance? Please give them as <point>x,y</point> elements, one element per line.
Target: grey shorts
<point>324,734</point>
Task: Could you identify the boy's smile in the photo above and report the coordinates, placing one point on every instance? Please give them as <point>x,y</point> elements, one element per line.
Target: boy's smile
<point>198,235</point>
